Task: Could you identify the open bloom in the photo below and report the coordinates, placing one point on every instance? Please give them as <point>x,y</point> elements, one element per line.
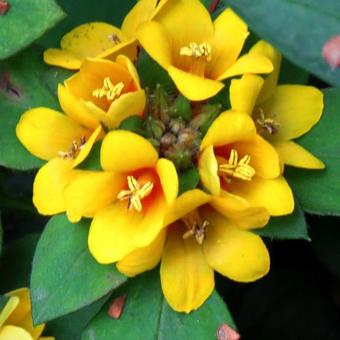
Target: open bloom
<point>281,112</point>
<point>199,240</point>
<point>128,200</point>
<point>235,159</point>
<point>102,40</point>
<point>15,318</point>
<point>197,53</point>
<point>64,140</point>
<point>104,91</point>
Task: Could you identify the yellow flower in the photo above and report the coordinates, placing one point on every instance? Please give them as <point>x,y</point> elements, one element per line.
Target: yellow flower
<point>104,91</point>
<point>64,140</point>
<point>15,318</point>
<point>102,40</point>
<point>199,240</point>
<point>128,200</point>
<point>281,112</point>
<point>235,159</point>
<point>198,53</point>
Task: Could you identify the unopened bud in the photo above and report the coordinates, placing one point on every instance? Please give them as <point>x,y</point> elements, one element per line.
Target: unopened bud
<point>181,108</point>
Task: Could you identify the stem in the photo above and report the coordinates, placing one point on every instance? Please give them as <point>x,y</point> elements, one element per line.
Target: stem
<point>213,5</point>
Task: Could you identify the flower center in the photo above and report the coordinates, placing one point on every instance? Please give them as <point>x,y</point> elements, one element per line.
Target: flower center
<point>196,227</point>
<point>267,124</point>
<point>200,55</point>
<point>236,168</point>
<point>74,149</point>
<point>136,193</point>
<point>110,91</point>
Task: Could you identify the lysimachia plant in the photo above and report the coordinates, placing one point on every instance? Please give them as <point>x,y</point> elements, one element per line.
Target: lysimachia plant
<point>165,150</point>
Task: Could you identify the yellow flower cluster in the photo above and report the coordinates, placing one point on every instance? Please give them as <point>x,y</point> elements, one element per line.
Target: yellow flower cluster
<point>138,218</point>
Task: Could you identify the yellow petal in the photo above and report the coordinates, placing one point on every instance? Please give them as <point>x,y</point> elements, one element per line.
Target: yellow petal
<point>235,253</point>
<point>45,132</point>
<point>143,259</point>
<point>296,108</point>
<point>86,148</point>
<point>273,194</point>
<point>21,316</point>
<point>10,332</point>
<point>116,231</point>
<point>295,155</point>
<point>75,110</point>
<point>274,56</point>
<point>244,92</point>
<point>185,203</point>
<point>8,309</point>
<point>127,105</point>
<point>128,48</point>
<point>140,13</point>
<point>227,128</point>
<point>90,191</point>
<point>225,51</point>
<point>192,86</point>
<point>169,179</point>
<point>124,151</point>
<point>154,39</point>
<point>237,210</point>
<point>49,184</point>
<point>65,59</point>
<point>263,157</point>
<point>208,169</point>
<point>128,64</point>
<point>248,63</point>
<point>187,280</point>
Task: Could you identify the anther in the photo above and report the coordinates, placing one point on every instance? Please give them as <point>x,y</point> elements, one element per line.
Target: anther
<point>74,149</point>
<point>267,124</point>
<point>197,51</point>
<point>109,90</point>
<point>196,227</point>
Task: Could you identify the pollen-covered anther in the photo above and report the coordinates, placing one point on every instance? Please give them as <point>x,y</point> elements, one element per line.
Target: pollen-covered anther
<point>196,227</point>
<point>201,51</point>
<point>236,168</point>
<point>267,124</point>
<point>136,193</point>
<point>74,149</point>
<point>110,91</point>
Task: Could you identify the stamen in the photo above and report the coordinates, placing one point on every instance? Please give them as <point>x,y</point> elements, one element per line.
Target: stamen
<point>136,193</point>
<point>74,149</point>
<point>195,227</point>
<point>109,90</point>
<point>267,124</point>
<point>202,51</point>
<point>114,38</point>
<point>236,168</point>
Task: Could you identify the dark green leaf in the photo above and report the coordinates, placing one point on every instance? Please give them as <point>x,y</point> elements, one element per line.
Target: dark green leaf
<point>16,262</point>
<point>299,29</point>
<point>84,11</point>
<point>147,315</point>
<point>317,190</point>
<point>1,236</point>
<point>292,74</point>
<point>286,227</point>
<point>72,325</point>
<point>134,124</point>
<point>25,22</point>
<point>23,85</point>
<point>188,180</point>
<point>74,278</point>
<point>3,301</point>
<point>92,161</point>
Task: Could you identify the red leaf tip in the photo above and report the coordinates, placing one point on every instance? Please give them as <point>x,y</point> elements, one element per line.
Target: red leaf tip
<point>225,332</point>
<point>331,52</point>
<point>116,307</point>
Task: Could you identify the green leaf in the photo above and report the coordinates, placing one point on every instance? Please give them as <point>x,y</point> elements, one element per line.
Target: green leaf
<point>317,190</point>
<point>134,124</point>
<point>65,276</point>
<point>92,162</point>
<point>72,325</point>
<point>1,236</point>
<point>286,227</point>
<point>299,29</point>
<point>292,74</point>
<point>3,301</point>
<point>84,11</point>
<point>16,262</point>
<point>146,313</point>
<point>25,22</point>
<point>188,180</point>
<point>24,84</point>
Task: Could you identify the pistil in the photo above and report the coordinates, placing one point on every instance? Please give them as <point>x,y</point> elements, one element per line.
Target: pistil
<point>110,91</point>
<point>196,227</point>
<point>233,167</point>
<point>135,193</point>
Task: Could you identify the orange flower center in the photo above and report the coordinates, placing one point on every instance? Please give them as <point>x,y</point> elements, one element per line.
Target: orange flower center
<point>136,192</point>
<point>200,55</point>
<point>235,168</point>
<point>196,227</point>
<point>110,91</point>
